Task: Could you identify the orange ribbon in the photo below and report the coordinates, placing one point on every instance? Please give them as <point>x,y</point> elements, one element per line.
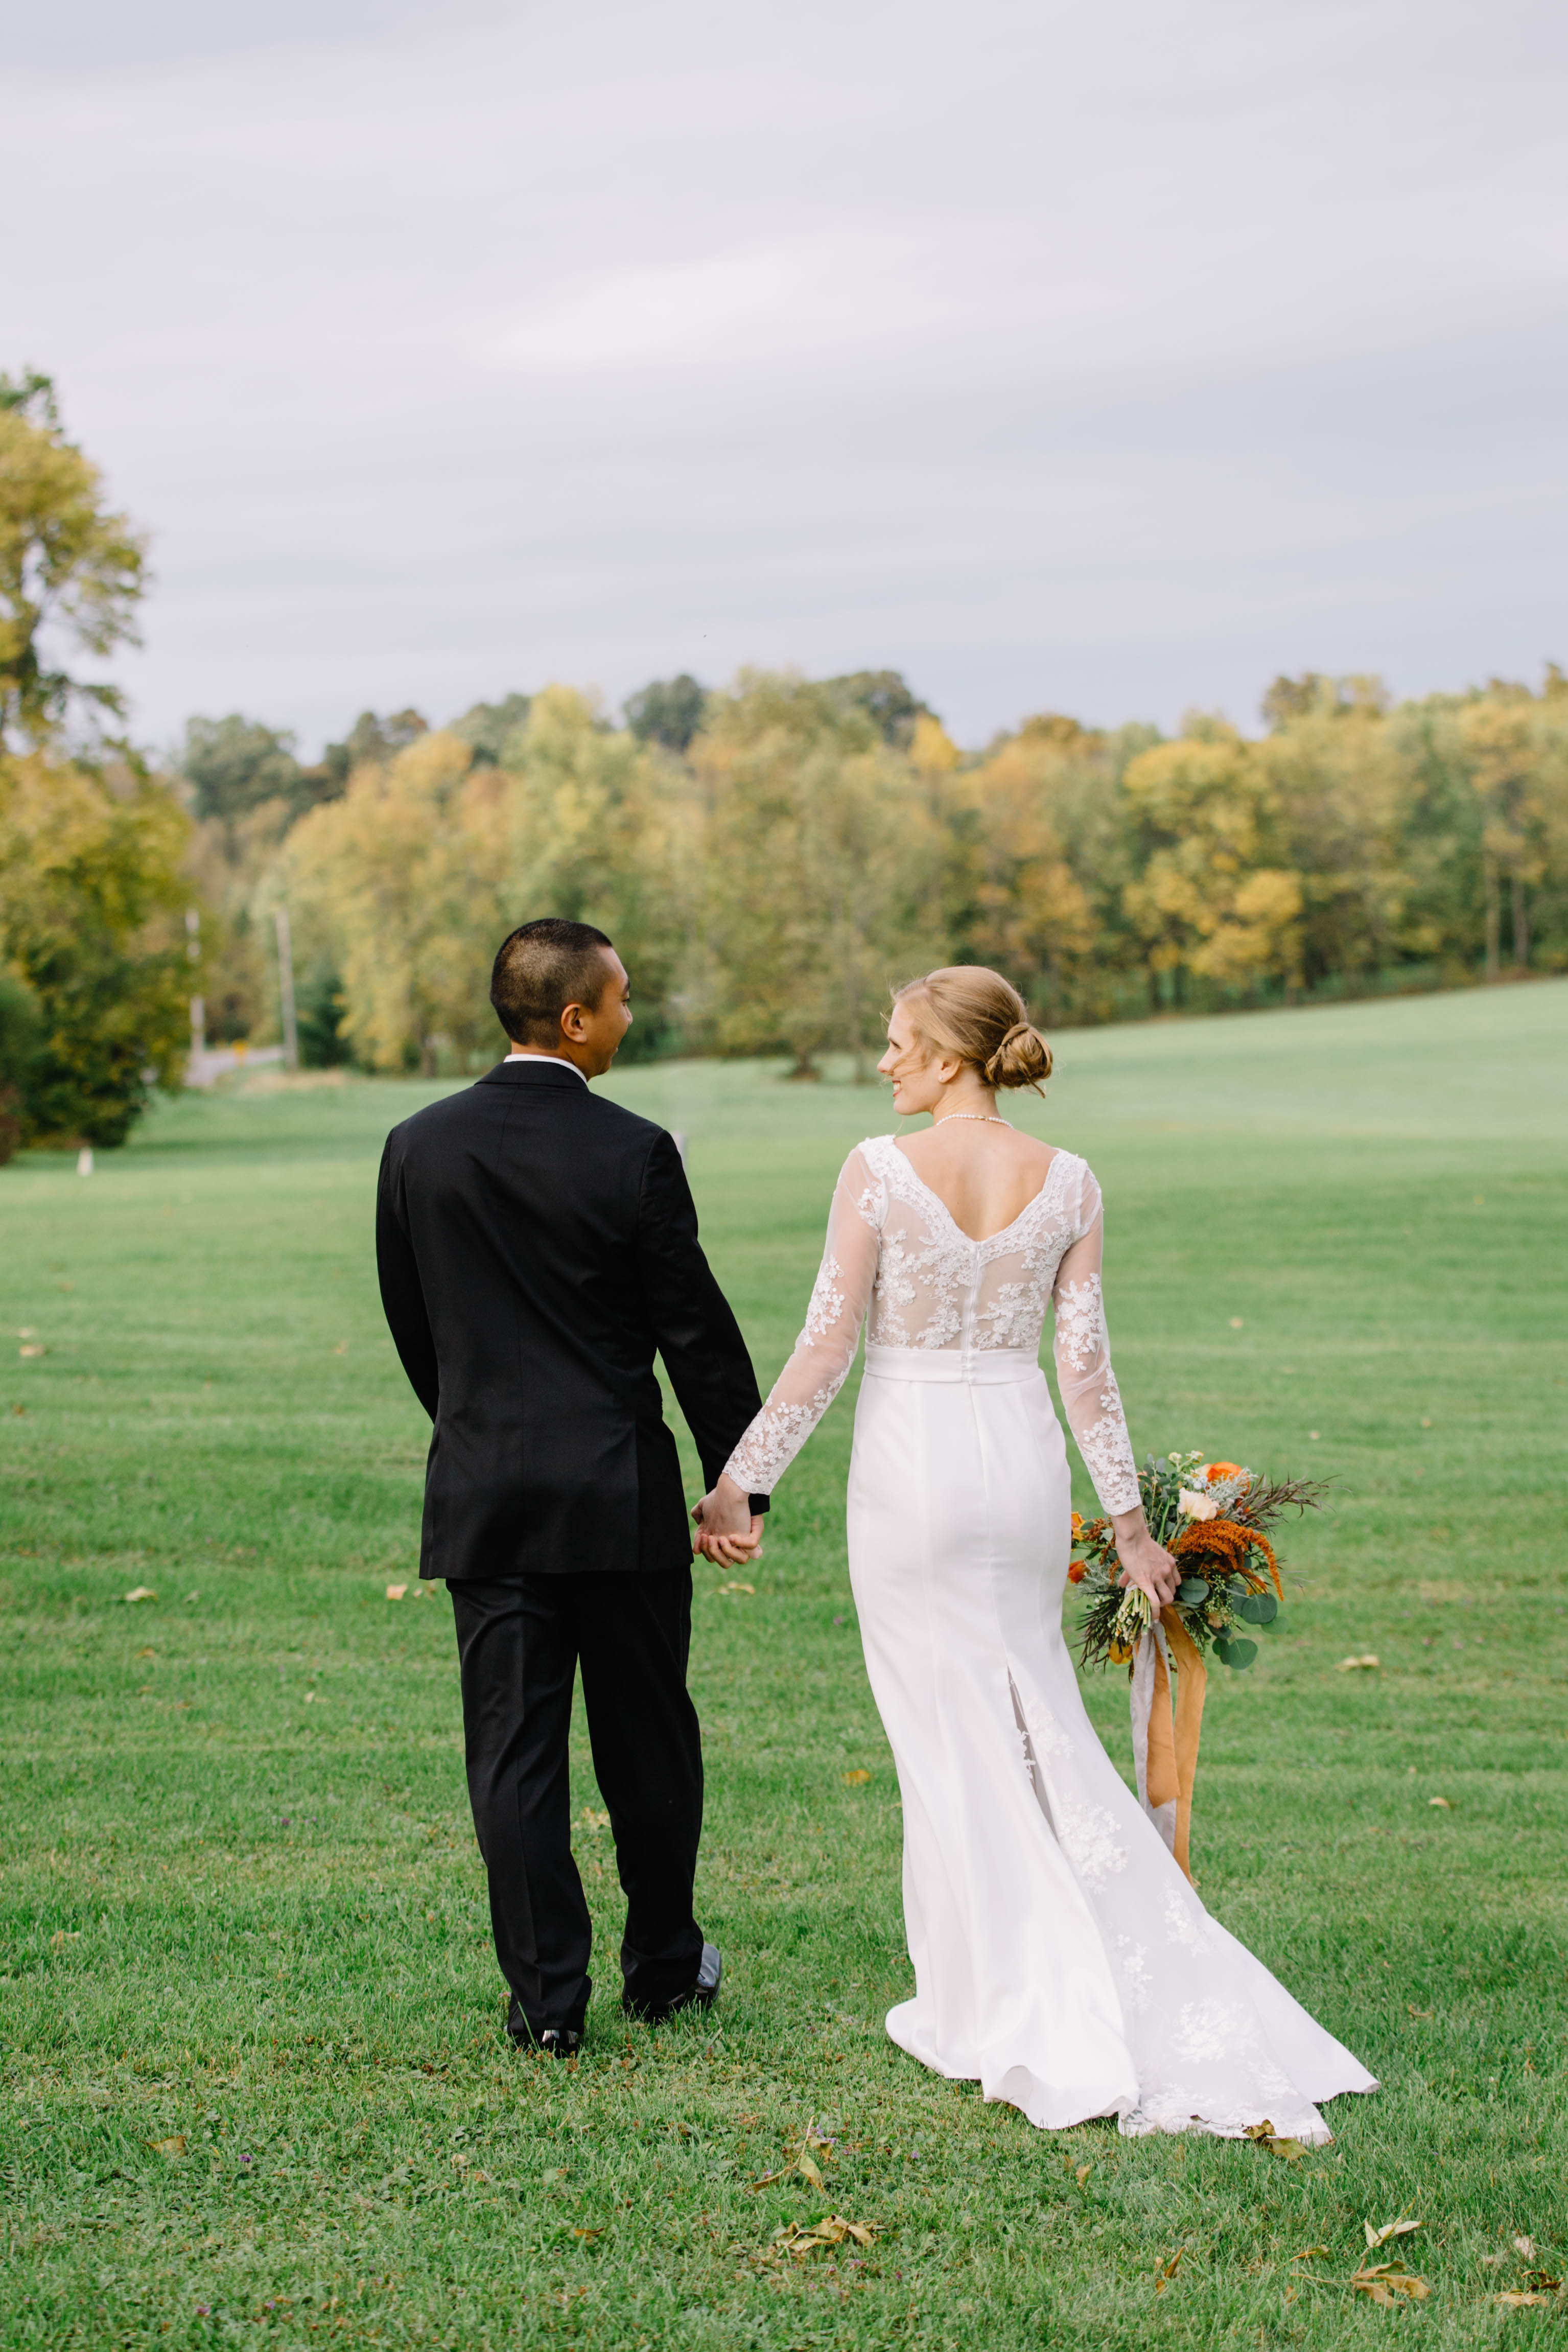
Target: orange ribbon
<point>1172,1745</point>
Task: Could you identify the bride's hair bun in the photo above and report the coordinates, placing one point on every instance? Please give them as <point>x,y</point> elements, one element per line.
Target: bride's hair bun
<point>968,1010</point>
<point>1022,1059</point>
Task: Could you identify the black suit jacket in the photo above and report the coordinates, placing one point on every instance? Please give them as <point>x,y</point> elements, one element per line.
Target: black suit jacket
<point>537,1244</point>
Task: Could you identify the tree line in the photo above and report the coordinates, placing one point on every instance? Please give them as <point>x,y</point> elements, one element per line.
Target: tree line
<point>772,855</point>
<point>769,856</point>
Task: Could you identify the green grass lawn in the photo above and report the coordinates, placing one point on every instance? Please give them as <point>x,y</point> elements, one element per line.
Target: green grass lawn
<point>255,2085</point>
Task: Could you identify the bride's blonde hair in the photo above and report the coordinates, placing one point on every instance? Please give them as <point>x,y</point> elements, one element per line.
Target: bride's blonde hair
<point>968,1010</point>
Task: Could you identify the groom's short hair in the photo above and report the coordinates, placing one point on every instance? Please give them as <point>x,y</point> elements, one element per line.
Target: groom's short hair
<point>544,967</point>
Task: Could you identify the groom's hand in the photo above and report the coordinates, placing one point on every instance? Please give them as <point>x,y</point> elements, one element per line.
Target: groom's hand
<point>726,1532</point>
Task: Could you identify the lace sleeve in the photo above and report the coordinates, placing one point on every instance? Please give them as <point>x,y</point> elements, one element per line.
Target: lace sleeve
<point>1089,1397</point>
<point>826,1347</point>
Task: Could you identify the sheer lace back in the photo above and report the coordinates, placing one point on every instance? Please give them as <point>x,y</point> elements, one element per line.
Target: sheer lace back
<point>896,1260</point>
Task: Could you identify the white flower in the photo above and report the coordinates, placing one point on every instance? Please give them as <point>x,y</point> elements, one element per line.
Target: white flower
<point>1193,1505</point>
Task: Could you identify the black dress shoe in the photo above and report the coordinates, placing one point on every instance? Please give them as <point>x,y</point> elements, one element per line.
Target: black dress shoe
<point>555,2041</point>
<point>700,1995</point>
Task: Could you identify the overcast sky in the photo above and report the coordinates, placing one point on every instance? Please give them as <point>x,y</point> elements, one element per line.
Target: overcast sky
<point>1102,358</point>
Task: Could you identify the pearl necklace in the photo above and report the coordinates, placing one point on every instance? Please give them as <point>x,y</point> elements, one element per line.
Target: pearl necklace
<point>980,1117</point>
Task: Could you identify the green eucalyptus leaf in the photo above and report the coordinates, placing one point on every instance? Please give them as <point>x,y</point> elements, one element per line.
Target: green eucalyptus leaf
<point>1258,1608</point>
<point>1237,1654</point>
<point>1191,1591</point>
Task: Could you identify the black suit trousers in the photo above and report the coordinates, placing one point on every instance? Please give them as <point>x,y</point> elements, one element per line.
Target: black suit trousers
<point>518,1646</point>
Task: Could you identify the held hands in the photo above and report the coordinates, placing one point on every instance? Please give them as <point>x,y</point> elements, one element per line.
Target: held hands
<point>1144,1562</point>
<point>726,1532</point>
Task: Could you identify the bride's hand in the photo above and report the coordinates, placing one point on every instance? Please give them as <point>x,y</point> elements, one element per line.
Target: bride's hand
<point>726,1532</point>
<point>1144,1562</point>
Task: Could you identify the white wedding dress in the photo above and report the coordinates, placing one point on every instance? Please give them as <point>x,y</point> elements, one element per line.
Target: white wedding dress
<point>1061,1957</point>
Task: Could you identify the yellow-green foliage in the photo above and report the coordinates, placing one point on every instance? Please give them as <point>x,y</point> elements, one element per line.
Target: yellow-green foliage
<point>92,891</point>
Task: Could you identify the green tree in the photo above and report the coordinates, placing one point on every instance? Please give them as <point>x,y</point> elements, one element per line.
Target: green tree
<point>1497,733</point>
<point>396,886</point>
<point>69,568</point>
<point>232,765</point>
<point>885,697</point>
<point>600,827</point>
<point>669,711</point>
<point>370,742</point>
<point>92,899</point>
<point>1049,858</point>
<point>491,728</point>
<point>21,1036</point>
<point>818,856</point>
<point>1335,787</point>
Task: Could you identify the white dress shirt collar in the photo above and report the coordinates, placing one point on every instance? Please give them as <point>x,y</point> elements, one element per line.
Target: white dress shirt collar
<point>559,1061</point>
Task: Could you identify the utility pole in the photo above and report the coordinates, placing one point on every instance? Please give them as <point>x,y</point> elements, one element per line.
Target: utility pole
<point>286,991</point>
<point>198,1003</point>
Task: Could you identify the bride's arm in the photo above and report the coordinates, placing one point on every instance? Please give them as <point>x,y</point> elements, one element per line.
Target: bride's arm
<point>1092,1403</point>
<point>816,1371</point>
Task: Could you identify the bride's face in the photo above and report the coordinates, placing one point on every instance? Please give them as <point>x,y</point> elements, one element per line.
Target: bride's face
<point>916,1080</point>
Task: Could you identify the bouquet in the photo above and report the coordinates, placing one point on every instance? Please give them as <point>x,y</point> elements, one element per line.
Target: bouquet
<point>1214,1520</point>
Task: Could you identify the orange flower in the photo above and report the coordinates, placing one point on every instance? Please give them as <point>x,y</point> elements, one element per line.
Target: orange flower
<point>1077,1524</point>
<point>1222,1470</point>
<point>1075,1573</point>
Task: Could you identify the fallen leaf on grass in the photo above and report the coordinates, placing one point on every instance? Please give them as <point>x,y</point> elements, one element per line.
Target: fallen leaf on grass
<point>396,1591</point>
<point>1348,1666</point>
<point>62,1937</point>
<point>801,2162</point>
<point>1543,2278</point>
<point>735,1585</point>
<point>1165,2272</point>
<point>831,2231</point>
<point>147,1654</point>
<point>1419,2012</point>
<point>34,1348</point>
<point>174,2147</point>
<point>1445,1803</point>
<point>1307,2253</point>
<point>587,2233</point>
<point>1525,2246</point>
<point>853,1779</point>
<point>1384,2281</point>
<point>1514,2299</point>
<point>1263,2135</point>
<point>142,1592</point>
<point>1400,2229</point>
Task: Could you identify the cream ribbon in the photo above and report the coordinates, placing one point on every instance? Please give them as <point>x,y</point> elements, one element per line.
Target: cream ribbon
<point>1167,1752</point>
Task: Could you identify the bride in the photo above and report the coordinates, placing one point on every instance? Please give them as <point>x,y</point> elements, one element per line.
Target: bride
<point>1061,1957</point>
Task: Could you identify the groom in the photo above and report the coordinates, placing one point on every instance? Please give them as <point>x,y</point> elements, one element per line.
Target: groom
<point>537,1244</point>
